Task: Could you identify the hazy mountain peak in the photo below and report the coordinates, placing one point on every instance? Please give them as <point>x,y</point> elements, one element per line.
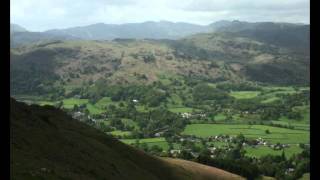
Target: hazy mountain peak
<point>17,28</point>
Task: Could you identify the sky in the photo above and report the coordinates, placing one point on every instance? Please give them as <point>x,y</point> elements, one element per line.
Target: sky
<point>41,15</point>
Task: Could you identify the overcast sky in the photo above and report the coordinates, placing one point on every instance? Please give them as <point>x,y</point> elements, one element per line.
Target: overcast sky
<point>39,15</point>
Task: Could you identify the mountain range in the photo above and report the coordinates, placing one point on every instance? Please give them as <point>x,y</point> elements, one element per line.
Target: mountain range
<point>215,57</point>
<point>283,34</point>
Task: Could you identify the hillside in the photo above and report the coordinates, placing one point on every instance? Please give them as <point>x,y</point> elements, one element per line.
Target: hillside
<point>257,60</point>
<point>293,36</point>
<point>212,57</point>
<point>17,28</point>
<point>21,38</point>
<point>48,144</point>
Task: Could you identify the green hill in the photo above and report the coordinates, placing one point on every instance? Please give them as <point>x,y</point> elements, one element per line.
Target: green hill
<point>48,144</point>
<point>293,36</point>
<point>212,57</point>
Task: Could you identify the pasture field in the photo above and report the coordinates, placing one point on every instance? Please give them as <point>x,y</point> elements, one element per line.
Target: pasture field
<point>264,150</point>
<point>181,110</point>
<point>42,103</point>
<point>69,87</point>
<point>244,94</point>
<point>69,103</point>
<point>28,97</point>
<point>105,122</point>
<point>176,106</point>
<point>296,124</point>
<point>270,100</point>
<point>269,94</point>
<point>93,109</point>
<point>305,110</point>
<point>219,117</point>
<point>120,133</point>
<point>176,100</point>
<point>161,142</point>
<point>281,135</point>
<point>218,144</point>
<point>305,176</point>
<point>130,122</point>
<point>146,140</point>
<point>279,88</point>
<point>142,108</point>
<point>104,102</point>
<point>35,100</point>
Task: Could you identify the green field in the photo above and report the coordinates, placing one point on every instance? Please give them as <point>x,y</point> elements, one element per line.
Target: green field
<point>146,140</point>
<point>269,94</point>
<point>305,176</point>
<point>69,103</point>
<point>42,103</point>
<point>220,117</point>
<point>93,109</point>
<point>264,150</point>
<point>35,100</point>
<point>161,142</point>
<point>280,135</point>
<point>218,144</point>
<point>181,110</point>
<point>130,122</point>
<point>244,94</point>
<point>103,102</point>
<point>270,100</point>
<point>296,124</point>
<point>120,133</point>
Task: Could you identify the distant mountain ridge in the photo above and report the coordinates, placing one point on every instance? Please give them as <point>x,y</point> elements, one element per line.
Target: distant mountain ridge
<point>289,35</point>
<point>283,34</point>
<point>17,28</point>
<point>149,29</point>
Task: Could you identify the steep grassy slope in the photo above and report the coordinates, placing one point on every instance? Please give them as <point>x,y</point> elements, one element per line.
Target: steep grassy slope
<point>48,144</point>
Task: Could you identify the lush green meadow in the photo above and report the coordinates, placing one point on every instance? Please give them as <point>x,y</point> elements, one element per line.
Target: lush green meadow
<point>264,150</point>
<point>305,176</point>
<point>277,135</point>
<point>161,142</point>
<point>244,94</point>
<point>300,133</point>
<point>104,102</point>
<point>120,133</point>
<point>281,135</point>
<point>181,110</point>
<point>69,103</point>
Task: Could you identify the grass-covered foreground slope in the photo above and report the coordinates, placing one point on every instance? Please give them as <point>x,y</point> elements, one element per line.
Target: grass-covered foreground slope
<point>48,144</point>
